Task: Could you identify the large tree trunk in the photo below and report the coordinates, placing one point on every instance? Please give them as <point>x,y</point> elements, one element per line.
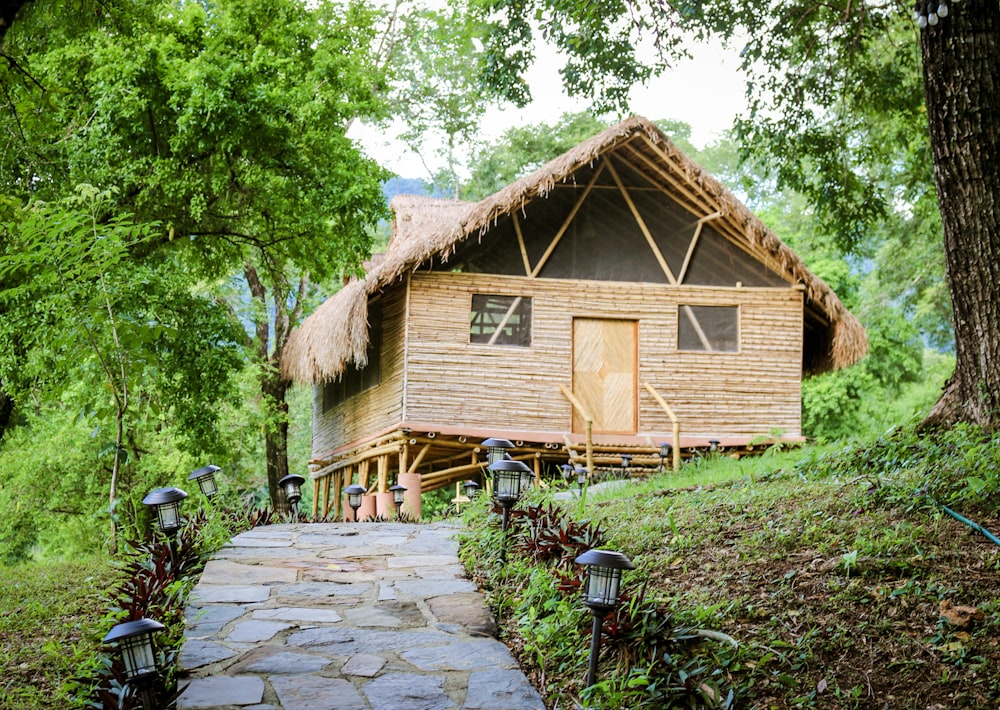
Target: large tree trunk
<point>961,58</point>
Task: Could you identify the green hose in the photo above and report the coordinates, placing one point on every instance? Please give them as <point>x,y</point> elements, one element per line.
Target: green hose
<point>975,526</point>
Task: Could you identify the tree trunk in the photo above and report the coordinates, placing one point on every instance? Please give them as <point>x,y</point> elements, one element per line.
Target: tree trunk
<point>961,60</point>
<point>273,389</point>
<point>276,436</point>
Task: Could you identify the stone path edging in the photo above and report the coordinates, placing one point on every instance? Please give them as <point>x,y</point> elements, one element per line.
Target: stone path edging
<point>373,616</point>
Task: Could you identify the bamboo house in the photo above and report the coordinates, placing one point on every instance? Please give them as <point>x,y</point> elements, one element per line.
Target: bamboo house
<point>617,300</point>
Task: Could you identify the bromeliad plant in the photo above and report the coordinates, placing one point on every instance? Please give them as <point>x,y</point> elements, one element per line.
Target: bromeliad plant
<point>157,575</point>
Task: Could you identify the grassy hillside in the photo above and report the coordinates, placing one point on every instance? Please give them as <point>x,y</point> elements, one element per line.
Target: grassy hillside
<point>50,629</point>
<point>822,579</point>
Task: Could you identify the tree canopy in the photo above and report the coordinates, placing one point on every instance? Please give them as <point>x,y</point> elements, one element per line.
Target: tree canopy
<point>851,104</point>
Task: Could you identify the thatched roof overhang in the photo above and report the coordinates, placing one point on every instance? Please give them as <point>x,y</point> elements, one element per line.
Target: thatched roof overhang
<point>426,229</point>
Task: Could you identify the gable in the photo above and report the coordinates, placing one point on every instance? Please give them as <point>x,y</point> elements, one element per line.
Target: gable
<point>599,231</point>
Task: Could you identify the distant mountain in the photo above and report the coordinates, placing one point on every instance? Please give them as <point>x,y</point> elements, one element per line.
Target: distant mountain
<point>408,186</point>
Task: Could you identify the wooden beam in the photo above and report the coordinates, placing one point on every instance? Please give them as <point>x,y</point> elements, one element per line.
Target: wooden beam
<point>565,225</point>
<point>694,242</point>
<point>419,458</point>
<point>697,329</point>
<point>521,244</point>
<point>642,226</point>
<point>503,321</point>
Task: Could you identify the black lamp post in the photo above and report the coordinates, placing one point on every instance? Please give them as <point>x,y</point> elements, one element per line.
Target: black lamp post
<point>470,489</point>
<point>495,450</point>
<point>397,498</point>
<point>167,504</point>
<point>604,574</point>
<point>292,486</point>
<point>507,478</point>
<point>354,493</point>
<point>134,640</point>
<point>205,477</point>
<point>581,478</point>
<point>665,451</point>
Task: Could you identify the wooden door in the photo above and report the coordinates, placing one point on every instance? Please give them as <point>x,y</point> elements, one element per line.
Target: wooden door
<point>604,374</point>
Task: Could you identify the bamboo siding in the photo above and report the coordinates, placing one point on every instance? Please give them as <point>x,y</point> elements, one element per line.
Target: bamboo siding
<point>373,409</point>
<point>749,392</point>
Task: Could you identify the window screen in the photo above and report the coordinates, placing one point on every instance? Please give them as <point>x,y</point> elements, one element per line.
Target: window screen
<point>353,380</point>
<point>500,320</point>
<point>708,328</point>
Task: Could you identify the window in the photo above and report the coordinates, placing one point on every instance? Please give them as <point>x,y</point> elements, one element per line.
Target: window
<point>500,320</point>
<point>708,328</point>
<point>353,380</point>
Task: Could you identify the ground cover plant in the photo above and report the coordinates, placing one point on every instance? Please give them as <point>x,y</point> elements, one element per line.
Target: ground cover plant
<point>816,577</point>
<point>50,625</point>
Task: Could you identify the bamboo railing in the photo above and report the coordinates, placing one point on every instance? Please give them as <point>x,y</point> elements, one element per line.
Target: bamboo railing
<point>673,418</point>
<point>588,426</point>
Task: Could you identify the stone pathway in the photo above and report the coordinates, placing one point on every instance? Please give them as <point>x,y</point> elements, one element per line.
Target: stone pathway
<point>373,616</point>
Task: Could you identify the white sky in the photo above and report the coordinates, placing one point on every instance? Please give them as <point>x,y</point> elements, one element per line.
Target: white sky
<point>706,91</point>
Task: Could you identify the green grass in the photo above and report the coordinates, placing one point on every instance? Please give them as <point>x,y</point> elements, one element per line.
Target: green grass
<point>829,567</point>
<point>50,613</point>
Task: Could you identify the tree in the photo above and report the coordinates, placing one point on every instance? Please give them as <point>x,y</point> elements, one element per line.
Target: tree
<point>79,311</point>
<point>226,123</point>
<point>837,97</point>
<point>435,88</point>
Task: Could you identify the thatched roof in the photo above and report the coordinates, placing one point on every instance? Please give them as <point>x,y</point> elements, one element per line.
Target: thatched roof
<point>425,228</point>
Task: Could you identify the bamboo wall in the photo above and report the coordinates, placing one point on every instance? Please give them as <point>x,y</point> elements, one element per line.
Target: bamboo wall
<point>501,387</point>
<point>375,408</point>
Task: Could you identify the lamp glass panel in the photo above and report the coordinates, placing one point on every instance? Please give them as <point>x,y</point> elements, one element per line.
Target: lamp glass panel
<point>169,515</point>
<point>494,454</point>
<point>354,500</point>
<point>292,491</point>
<point>138,655</point>
<point>507,484</point>
<point>397,496</point>
<point>602,586</point>
<point>207,486</point>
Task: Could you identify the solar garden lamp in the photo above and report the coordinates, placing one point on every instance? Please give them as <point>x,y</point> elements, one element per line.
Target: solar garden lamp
<point>166,502</point>
<point>470,489</point>
<point>134,640</point>
<point>567,472</point>
<point>496,449</point>
<point>713,446</point>
<point>665,450</point>
<point>397,498</point>
<point>508,475</point>
<point>600,594</point>
<point>292,486</point>
<point>354,493</point>
<point>205,477</point>
<point>626,462</point>
<point>581,477</point>
<point>527,479</point>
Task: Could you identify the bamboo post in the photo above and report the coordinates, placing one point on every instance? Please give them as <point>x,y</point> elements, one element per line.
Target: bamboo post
<point>588,425</point>
<point>673,418</point>
<point>419,459</point>
<point>383,473</point>
<point>315,497</point>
